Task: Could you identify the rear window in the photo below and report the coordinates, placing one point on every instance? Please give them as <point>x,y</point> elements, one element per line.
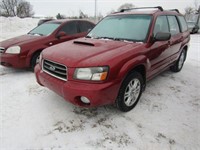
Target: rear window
<point>85,26</point>
<point>70,28</point>
<point>183,23</point>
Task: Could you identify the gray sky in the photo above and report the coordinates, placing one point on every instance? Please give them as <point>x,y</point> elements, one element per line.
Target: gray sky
<point>72,7</point>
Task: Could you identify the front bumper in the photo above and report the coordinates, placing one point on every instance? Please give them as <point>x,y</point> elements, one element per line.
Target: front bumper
<point>12,60</point>
<point>98,93</point>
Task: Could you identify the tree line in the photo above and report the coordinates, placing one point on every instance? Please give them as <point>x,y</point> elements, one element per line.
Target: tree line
<point>20,8</point>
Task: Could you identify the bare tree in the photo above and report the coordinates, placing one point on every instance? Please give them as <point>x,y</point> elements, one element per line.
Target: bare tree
<point>196,5</point>
<point>24,9</point>
<point>10,8</point>
<point>126,6</point>
<point>189,10</point>
<point>59,16</point>
<point>82,15</point>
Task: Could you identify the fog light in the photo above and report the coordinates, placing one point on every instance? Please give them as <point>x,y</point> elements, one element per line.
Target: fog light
<point>85,100</point>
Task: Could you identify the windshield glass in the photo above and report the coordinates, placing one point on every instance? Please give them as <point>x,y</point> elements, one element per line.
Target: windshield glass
<point>45,29</point>
<point>123,27</point>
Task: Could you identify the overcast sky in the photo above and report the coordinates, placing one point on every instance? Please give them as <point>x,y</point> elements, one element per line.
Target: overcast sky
<point>72,7</point>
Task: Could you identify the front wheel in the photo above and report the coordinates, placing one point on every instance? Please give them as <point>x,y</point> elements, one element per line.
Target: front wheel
<point>35,59</point>
<point>130,92</point>
<point>179,63</point>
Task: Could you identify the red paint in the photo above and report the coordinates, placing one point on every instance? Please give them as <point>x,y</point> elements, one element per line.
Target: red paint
<point>31,44</point>
<point>121,57</point>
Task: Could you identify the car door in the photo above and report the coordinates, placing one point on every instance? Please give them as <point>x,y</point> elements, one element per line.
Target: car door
<point>176,37</point>
<point>159,54</point>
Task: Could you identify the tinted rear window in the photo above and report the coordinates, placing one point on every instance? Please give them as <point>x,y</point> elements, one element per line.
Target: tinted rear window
<point>85,26</point>
<point>70,28</point>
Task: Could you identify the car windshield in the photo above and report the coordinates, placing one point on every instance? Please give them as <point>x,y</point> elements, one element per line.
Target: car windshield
<point>45,29</point>
<point>124,27</point>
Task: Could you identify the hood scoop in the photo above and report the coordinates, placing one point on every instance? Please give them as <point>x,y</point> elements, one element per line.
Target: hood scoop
<point>84,43</point>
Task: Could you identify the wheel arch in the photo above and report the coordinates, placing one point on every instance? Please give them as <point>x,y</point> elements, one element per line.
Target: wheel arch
<point>31,54</point>
<point>136,65</point>
<point>186,50</point>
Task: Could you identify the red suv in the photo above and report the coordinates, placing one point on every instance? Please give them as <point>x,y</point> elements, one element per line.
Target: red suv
<point>112,64</point>
<point>24,51</point>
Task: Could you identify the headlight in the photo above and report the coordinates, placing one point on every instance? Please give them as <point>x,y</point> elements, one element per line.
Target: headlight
<point>13,50</point>
<point>93,73</point>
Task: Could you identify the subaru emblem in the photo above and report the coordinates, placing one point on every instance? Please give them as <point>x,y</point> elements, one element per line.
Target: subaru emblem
<point>52,68</point>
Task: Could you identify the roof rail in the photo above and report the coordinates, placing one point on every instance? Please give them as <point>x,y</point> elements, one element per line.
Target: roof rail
<point>158,7</point>
<point>174,10</point>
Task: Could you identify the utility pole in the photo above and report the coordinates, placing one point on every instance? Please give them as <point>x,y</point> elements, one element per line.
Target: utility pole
<point>95,11</point>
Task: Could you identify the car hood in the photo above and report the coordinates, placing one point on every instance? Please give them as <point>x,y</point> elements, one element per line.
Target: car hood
<point>86,52</point>
<point>20,40</point>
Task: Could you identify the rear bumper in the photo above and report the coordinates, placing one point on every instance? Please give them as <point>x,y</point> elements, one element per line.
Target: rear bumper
<point>12,60</point>
<point>98,94</point>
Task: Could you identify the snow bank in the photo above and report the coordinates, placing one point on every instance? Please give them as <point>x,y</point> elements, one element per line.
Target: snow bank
<point>14,26</point>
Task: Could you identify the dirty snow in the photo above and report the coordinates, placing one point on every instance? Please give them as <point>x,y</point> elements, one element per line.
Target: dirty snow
<point>33,117</point>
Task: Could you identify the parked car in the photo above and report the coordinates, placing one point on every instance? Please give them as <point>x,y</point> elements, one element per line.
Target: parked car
<point>193,21</point>
<point>112,64</point>
<point>193,27</point>
<point>24,51</point>
<point>41,21</point>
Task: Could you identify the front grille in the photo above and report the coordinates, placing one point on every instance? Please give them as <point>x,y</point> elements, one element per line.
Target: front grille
<point>2,49</point>
<point>55,69</point>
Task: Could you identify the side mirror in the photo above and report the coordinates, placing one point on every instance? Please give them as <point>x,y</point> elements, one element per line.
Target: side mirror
<point>162,36</point>
<point>60,34</point>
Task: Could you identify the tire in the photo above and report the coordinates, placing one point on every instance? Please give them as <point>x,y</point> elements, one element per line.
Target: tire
<point>179,63</point>
<point>128,98</point>
<point>34,60</point>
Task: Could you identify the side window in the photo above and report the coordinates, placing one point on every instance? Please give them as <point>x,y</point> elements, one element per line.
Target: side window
<point>173,25</point>
<point>85,26</point>
<point>70,28</point>
<point>183,23</point>
<point>161,25</point>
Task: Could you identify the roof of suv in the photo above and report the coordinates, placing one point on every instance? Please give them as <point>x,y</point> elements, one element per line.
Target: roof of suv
<point>66,20</point>
<point>146,11</point>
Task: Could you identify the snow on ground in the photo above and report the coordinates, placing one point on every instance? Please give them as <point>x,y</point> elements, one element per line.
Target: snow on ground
<point>33,117</point>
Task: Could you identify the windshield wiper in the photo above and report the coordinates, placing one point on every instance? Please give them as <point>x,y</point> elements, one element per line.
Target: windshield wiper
<point>124,40</point>
<point>88,36</point>
<point>109,38</point>
<point>36,34</point>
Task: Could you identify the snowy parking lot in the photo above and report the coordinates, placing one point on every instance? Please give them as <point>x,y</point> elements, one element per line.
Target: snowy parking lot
<point>33,117</point>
